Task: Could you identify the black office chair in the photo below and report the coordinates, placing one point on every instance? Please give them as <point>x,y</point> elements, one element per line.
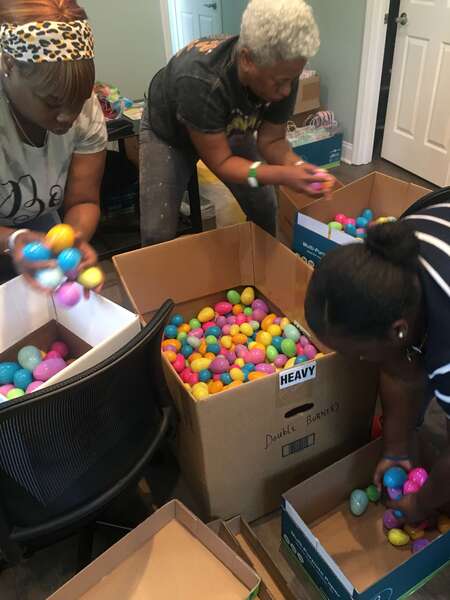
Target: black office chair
<point>68,451</point>
<point>435,197</point>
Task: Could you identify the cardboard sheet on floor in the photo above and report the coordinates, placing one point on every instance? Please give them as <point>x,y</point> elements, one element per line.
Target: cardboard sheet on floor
<point>171,556</point>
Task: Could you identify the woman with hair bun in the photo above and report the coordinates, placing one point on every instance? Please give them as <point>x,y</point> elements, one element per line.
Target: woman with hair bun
<point>388,301</point>
<point>53,135</point>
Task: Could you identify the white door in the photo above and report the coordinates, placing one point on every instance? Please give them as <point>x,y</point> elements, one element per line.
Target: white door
<point>417,130</point>
<point>196,19</point>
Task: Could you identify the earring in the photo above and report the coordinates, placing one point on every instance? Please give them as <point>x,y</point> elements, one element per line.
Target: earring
<point>401,335</point>
<point>6,75</point>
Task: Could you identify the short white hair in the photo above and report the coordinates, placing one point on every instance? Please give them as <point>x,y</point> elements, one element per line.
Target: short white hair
<point>279,30</point>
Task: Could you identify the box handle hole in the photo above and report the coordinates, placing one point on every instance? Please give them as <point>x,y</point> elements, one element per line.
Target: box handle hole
<point>298,410</point>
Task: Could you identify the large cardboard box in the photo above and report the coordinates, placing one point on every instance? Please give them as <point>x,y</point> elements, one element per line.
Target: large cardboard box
<point>242,448</point>
<point>93,330</point>
<point>170,556</point>
<point>385,195</point>
<point>350,558</point>
<point>289,204</point>
<point>308,97</point>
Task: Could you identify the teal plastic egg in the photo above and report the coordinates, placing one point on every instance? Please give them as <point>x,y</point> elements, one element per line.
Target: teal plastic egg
<point>50,278</point>
<point>291,332</point>
<point>288,347</point>
<point>301,359</point>
<point>358,502</point>
<point>186,350</point>
<point>226,378</point>
<point>394,477</point>
<point>22,378</point>
<point>277,341</point>
<point>214,348</point>
<point>171,332</point>
<point>29,357</point>
<point>177,320</point>
<point>205,375</point>
<point>214,331</point>
<point>7,371</point>
<point>69,259</point>
<point>35,251</point>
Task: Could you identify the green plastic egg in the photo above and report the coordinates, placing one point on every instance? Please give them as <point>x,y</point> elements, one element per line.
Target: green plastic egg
<point>233,297</point>
<point>372,493</point>
<point>194,324</point>
<point>271,353</point>
<point>288,347</point>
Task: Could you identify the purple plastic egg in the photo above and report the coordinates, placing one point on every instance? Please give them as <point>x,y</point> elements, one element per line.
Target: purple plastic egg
<point>277,321</point>
<point>394,493</point>
<point>419,545</point>
<point>241,350</point>
<point>256,356</point>
<point>49,368</point>
<point>219,365</point>
<point>280,361</point>
<point>34,385</point>
<point>259,304</point>
<point>310,351</point>
<point>418,476</point>
<point>304,341</point>
<point>259,315</point>
<point>265,368</point>
<point>170,347</point>
<point>72,274</point>
<point>410,487</point>
<point>390,521</point>
<point>221,321</point>
<point>223,308</point>
<point>231,320</point>
<point>68,295</point>
<point>230,356</point>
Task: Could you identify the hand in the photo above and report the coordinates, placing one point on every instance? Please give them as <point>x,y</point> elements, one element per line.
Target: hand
<point>386,463</point>
<point>301,177</point>
<point>89,259</point>
<point>411,508</point>
<point>28,268</point>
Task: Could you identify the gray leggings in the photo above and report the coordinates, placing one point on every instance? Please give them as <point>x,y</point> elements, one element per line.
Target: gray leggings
<point>165,172</point>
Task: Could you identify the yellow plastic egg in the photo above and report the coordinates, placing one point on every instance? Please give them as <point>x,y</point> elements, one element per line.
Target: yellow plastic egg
<point>413,532</point>
<point>246,329</point>
<point>200,364</point>
<point>226,341</point>
<point>240,362</point>
<point>194,356</point>
<point>200,392</point>
<point>397,537</point>
<point>60,237</point>
<point>237,309</point>
<point>234,329</point>
<point>206,314</point>
<point>274,330</point>
<point>91,278</point>
<point>443,524</point>
<point>237,375</point>
<point>247,296</point>
<point>290,363</point>
<point>264,338</point>
<point>284,321</point>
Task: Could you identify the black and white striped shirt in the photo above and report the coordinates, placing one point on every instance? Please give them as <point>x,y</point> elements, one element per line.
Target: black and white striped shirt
<point>432,226</point>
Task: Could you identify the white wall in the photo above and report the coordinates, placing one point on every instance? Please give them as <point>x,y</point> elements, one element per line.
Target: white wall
<point>129,42</point>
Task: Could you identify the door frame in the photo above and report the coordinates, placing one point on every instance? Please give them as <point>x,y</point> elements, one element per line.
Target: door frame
<point>168,16</point>
<point>372,56</point>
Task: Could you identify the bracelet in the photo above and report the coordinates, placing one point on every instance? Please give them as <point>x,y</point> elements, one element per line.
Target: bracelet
<point>253,175</point>
<point>395,458</point>
<point>11,242</point>
<point>299,163</point>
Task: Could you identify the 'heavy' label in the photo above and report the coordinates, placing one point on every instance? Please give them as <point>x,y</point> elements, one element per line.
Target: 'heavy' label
<point>300,374</point>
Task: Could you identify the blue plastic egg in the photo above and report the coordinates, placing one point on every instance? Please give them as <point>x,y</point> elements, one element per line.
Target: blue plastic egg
<point>249,367</point>
<point>398,514</point>
<point>186,350</point>
<point>22,378</point>
<point>361,233</point>
<point>367,214</point>
<point>50,278</point>
<point>226,378</point>
<point>215,331</point>
<point>350,229</point>
<point>7,371</point>
<point>277,341</point>
<point>69,259</point>
<point>214,348</point>
<point>362,222</point>
<point>35,251</point>
<point>358,502</point>
<point>29,357</point>
<point>177,320</point>
<point>171,332</point>
<point>301,359</point>
<point>205,375</point>
<point>395,477</point>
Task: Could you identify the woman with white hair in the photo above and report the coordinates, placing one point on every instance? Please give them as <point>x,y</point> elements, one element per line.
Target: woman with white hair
<point>210,101</point>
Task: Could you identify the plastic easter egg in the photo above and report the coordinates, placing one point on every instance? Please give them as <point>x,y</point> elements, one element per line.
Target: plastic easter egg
<point>443,524</point>
<point>186,350</point>
<point>91,278</point>
<point>193,341</point>
<point>50,278</point>
<point>256,356</point>
<point>202,347</point>
<point>350,229</point>
<point>367,214</point>
<point>241,319</point>
<point>248,311</point>
<point>237,309</point>
<point>310,351</point>
<point>291,332</point>
<point>254,375</point>
<point>69,259</point>
<point>340,218</point>
<point>170,331</point>
<point>264,338</point>
<point>214,387</point>
<point>234,330</point>
<point>290,363</point>
<point>171,355</point>
<point>35,251</point>
<point>361,233</point>
<point>248,296</point>
<point>300,359</point>
<point>358,502</point>
<point>418,476</point>
<point>361,222</point>
<point>226,341</point>
<point>260,305</point>
<point>350,221</point>
<point>372,493</point>
<point>230,356</point>
<point>237,374</point>
<point>60,237</point>
<point>205,375</point>
<point>277,341</point>
<point>335,225</point>
<point>200,364</point>
<point>182,337</point>
<point>239,362</point>
<point>265,368</point>
<point>52,354</point>
<point>419,545</point>
<point>226,378</point>
<point>4,389</point>
<point>35,385</point>
<point>233,297</point>
<point>223,308</point>
<point>280,361</point>
<point>397,537</point>
<point>259,315</point>
<point>249,367</point>
<point>410,487</point>
<point>394,477</point>
<point>211,339</point>
<point>7,371</point>
<point>68,295</point>
<point>185,375</point>
<point>15,393</point>
<point>231,320</point>
<point>180,363</point>
<point>268,321</point>
<point>198,333</point>
<point>390,521</point>
<point>288,347</point>
<point>61,348</point>
<point>177,320</point>
<point>194,324</point>
<point>22,378</point>
<point>29,357</point>
<point>49,368</point>
<point>246,329</point>
<point>219,365</point>
<point>414,532</point>
<point>215,331</point>
<point>394,493</point>
<point>221,321</point>
<point>304,341</point>
<point>208,324</point>
<point>193,379</point>
<point>271,353</point>
<point>213,348</point>
<point>200,392</point>
<point>274,330</point>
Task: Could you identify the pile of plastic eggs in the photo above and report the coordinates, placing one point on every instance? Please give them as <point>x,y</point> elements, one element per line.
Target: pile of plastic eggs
<point>235,341</point>
<point>358,227</point>
<point>33,368</point>
<point>64,279</point>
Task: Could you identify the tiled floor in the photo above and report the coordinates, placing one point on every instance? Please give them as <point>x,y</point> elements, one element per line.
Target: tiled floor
<point>44,572</point>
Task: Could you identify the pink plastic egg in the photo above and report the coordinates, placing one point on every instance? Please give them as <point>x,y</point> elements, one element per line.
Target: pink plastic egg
<point>259,315</point>
<point>198,333</point>
<point>216,377</point>
<point>310,351</point>
<point>256,356</point>
<point>277,321</point>
<point>179,364</point>
<point>226,329</point>
<point>316,186</point>
<point>185,375</point>
<point>280,361</point>
<point>219,365</point>
<point>193,379</point>
<point>48,368</point>
<point>209,324</point>
<point>61,347</point>
<point>4,389</point>
<point>52,354</point>
<point>350,221</point>
<point>241,350</point>
<point>221,321</point>
<point>231,320</point>
<point>230,356</point>
<point>300,349</point>
<point>304,341</point>
<point>260,305</point>
<point>34,385</point>
<point>340,218</point>
<point>68,295</point>
<point>418,476</point>
<point>241,318</point>
<point>265,368</point>
<point>410,487</point>
<point>223,308</point>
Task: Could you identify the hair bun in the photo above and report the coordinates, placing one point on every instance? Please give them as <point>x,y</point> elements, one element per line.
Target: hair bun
<point>395,243</point>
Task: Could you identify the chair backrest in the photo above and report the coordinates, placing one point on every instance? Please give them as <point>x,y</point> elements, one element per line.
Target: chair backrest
<point>436,197</point>
<point>63,448</point>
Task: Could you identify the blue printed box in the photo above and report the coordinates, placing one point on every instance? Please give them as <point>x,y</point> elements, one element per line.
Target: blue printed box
<point>347,557</point>
<point>324,153</point>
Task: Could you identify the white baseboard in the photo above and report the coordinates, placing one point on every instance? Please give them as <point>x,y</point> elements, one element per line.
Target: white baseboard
<point>347,153</point>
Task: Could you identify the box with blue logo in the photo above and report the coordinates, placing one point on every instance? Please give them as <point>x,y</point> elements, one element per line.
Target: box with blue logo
<point>348,557</point>
<point>384,196</point>
<point>324,153</point>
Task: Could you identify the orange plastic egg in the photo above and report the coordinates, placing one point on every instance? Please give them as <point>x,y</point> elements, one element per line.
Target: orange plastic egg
<point>215,387</point>
<point>185,327</point>
<point>268,321</point>
<point>194,356</point>
<point>254,375</point>
<point>175,343</point>
<point>237,309</point>
<point>170,355</point>
<point>232,385</point>
<point>239,338</point>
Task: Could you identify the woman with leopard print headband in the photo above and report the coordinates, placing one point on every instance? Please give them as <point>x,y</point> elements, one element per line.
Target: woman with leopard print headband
<point>52,131</point>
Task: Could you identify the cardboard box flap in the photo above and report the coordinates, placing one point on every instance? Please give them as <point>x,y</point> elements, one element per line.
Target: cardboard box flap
<point>200,265</point>
<point>26,308</point>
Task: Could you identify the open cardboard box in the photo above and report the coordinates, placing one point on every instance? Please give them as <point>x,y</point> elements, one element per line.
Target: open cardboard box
<point>385,195</point>
<point>93,330</point>
<point>242,448</point>
<point>289,204</point>
<point>308,97</point>
<point>350,557</point>
<point>170,556</point>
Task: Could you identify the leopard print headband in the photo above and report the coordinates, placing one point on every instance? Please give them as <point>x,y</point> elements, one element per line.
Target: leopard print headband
<point>48,41</point>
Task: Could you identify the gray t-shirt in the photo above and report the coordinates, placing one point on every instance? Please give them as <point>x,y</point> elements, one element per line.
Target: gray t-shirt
<point>33,180</point>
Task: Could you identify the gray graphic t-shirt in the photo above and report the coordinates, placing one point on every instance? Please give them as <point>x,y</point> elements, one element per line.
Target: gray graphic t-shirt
<point>33,180</point>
